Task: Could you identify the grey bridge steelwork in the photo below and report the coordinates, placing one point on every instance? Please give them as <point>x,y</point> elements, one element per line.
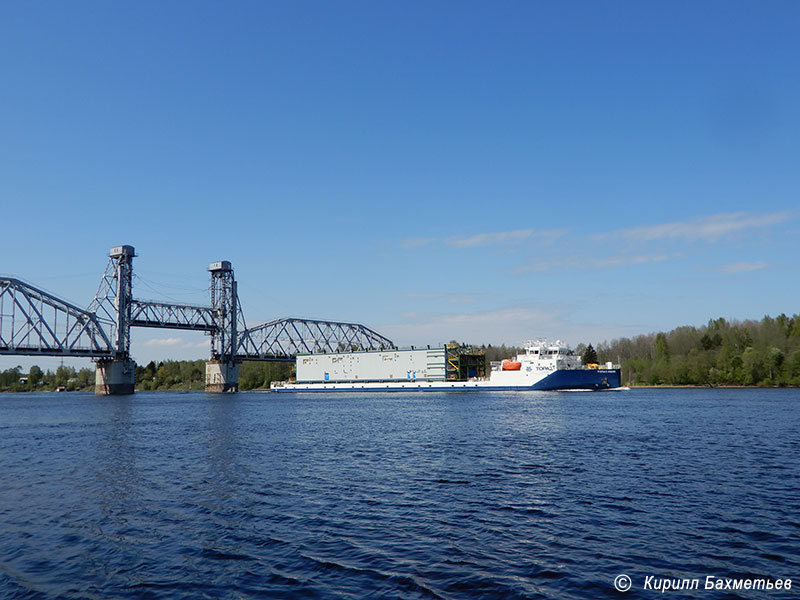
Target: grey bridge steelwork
<point>285,338</point>
<point>35,322</point>
<point>146,313</point>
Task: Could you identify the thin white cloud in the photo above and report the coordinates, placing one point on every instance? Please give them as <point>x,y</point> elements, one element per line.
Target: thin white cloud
<point>176,342</point>
<point>454,298</point>
<point>417,242</point>
<point>489,239</point>
<point>544,237</point>
<point>705,228</point>
<point>609,262</point>
<point>165,342</point>
<point>627,261</point>
<point>742,267</point>
<point>492,238</point>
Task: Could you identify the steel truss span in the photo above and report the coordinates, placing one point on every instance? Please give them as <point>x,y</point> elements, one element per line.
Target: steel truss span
<point>145,313</point>
<point>282,339</point>
<point>37,323</point>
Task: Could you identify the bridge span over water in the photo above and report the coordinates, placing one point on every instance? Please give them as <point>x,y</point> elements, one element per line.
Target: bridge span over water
<point>34,322</point>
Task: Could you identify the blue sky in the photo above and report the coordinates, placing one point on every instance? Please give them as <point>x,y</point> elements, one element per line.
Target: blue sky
<point>487,172</point>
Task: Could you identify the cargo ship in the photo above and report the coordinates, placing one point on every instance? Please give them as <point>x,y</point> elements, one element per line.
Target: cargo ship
<point>542,366</point>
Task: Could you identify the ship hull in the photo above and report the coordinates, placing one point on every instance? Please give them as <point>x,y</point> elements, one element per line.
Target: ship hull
<point>564,379</point>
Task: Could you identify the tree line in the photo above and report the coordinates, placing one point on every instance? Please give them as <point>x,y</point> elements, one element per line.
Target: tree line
<point>163,375</point>
<point>751,353</point>
<point>16,380</point>
<point>191,374</point>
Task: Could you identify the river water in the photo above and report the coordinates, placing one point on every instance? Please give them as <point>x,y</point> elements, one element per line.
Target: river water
<point>482,495</point>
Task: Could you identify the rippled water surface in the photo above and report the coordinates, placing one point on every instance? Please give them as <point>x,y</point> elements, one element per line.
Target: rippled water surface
<point>519,495</point>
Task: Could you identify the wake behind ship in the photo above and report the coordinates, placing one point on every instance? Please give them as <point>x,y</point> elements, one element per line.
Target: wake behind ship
<point>541,366</point>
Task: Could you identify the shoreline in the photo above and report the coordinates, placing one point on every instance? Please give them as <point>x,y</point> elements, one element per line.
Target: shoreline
<point>709,387</point>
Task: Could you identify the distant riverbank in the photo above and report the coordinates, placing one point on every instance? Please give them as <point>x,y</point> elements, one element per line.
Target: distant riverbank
<point>712,387</point>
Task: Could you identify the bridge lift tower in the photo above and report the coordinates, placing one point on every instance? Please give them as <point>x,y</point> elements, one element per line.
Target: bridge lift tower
<point>222,371</point>
<point>116,375</point>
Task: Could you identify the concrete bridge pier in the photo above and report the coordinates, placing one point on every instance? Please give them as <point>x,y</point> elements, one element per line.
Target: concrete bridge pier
<point>222,376</point>
<point>115,377</point>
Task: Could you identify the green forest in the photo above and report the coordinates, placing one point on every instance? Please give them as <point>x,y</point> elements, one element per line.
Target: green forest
<point>739,353</point>
<point>166,375</point>
<point>190,375</point>
<point>16,380</point>
<point>752,353</point>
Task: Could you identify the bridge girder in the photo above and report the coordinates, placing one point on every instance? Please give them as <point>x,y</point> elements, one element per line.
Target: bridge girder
<point>165,315</point>
<point>283,339</point>
<point>35,322</point>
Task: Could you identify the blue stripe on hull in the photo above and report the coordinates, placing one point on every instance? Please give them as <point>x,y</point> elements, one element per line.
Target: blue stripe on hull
<point>582,379</point>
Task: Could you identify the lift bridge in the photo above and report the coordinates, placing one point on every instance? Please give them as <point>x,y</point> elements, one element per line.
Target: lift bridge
<point>34,322</point>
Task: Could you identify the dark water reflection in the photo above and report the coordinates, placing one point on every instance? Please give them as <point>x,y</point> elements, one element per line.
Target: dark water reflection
<point>396,496</point>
